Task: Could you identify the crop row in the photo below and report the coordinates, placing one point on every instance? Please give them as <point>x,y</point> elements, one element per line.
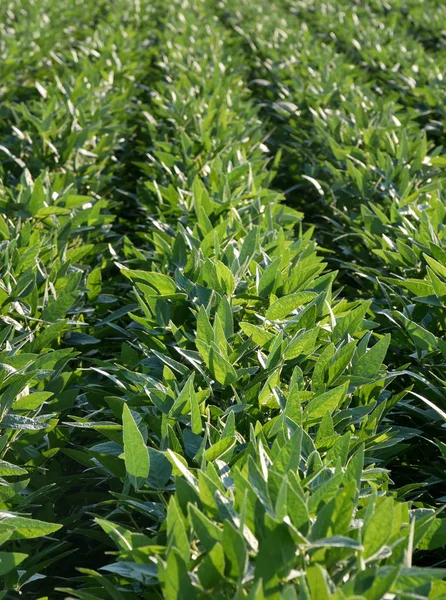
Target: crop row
<point>379,185</point>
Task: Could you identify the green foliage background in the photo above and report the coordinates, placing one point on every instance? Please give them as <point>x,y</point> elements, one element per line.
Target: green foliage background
<point>222,299</point>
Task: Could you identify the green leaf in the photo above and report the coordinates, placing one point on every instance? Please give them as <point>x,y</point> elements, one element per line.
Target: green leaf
<point>336,541</point>
<point>325,492</point>
<point>350,323</point>
<point>160,469</point>
<point>31,401</point>
<point>220,368</point>
<point>219,448</point>
<point>122,537</point>
<point>329,401</point>
<point>324,360</point>
<point>182,404</point>
<point>435,265</point>
<point>379,528</point>
<point>7,468</point>
<point>218,277</point>
<point>10,560</point>
<point>176,531</point>
<point>207,533</point>
<point>369,365</point>
<point>38,196</point>
<point>268,279</point>
<point>284,306</point>
<point>340,361</point>
<point>259,336</point>
<point>177,584</point>
<point>205,335</point>
<point>211,569</point>
<point>46,336</point>
<point>423,339</point>
<point>372,583</point>
<point>160,284</point>
<point>235,551</point>
<point>435,537</point>
<point>224,312</point>
<point>21,423</point>
<point>136,456</point>
<point>249,246</point>
<point>24,528</point>
<point>304,344</point>
<point>196,424</point>
<point>276,556</point>
<point>317,582</point>
<point>57,309</point>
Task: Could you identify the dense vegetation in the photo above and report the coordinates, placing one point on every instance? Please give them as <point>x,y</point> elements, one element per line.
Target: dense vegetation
<point>222,289</point>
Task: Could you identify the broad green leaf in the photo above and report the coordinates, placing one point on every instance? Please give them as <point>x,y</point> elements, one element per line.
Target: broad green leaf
<point>136,456</point>
<point>372,583</point>
<point>435,265</point>
<point>423,339</point>
<point>249,246</point>
<point>268,279</point>
<point>207,533</point>
<point>235,551</point>
<point>259,336</point>
<point>276,556</point>
<point>219,448</point>
<point>56,309</point>
<point>212,567</point>
<point>121,536</point>
<point>350,323</point>
<point>205,335</point>
<point>324,493</point>
<point>10,560</point>
<point>177,584</point>
<point>32,401</point>
<point>321,367</point>
<point>317,580</point>
<point>196,424</point>
<point>160,469</point>
<point>369,365</point>
<point>38,196</point>
<point>328,401</point>
<point>24,528</point>
<point>160,283</point>
<point>182,404</point>
<point>303,344</point>
<point>6,468</point>
<point>284,306</point>
<point>379,528</point>
<point>176,531</point>
<point>220,368</point>
<point>340,362</point>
